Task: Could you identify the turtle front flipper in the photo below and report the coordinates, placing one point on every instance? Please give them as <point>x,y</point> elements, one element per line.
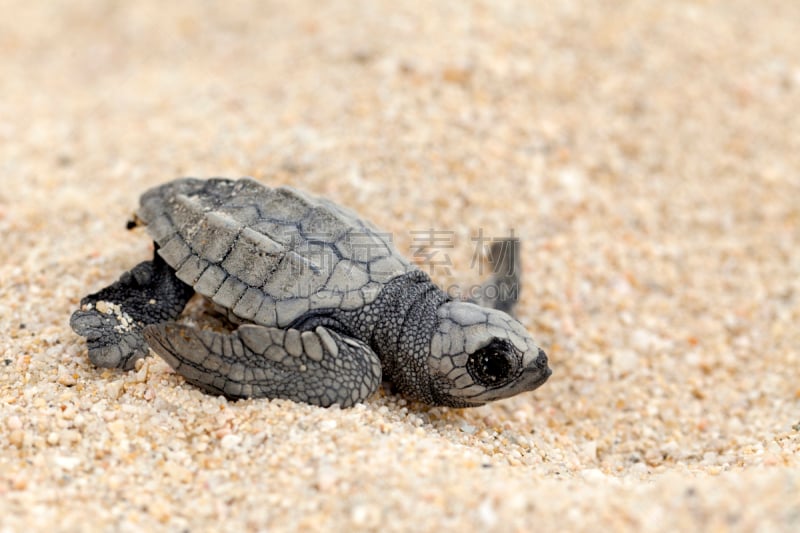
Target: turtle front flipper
<point>112,318</point>
<point>319,367</point>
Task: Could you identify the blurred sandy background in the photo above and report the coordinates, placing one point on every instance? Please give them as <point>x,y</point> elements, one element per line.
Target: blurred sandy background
<point>647,153</point>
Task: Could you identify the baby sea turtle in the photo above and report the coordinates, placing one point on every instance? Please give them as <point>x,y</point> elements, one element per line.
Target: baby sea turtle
<point>326,307</point>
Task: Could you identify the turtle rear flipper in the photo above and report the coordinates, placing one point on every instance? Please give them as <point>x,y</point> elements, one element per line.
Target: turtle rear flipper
<point>112,339</point>
<point>112,318</point>
<point>320,367</point>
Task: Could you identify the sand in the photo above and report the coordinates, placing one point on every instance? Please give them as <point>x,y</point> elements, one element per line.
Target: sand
<point>646,153</point>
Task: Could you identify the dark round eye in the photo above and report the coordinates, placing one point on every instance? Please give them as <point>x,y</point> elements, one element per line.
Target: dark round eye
<point>491,365</point>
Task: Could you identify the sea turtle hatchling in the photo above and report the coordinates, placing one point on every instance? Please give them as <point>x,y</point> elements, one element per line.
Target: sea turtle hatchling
<point>326,307</point>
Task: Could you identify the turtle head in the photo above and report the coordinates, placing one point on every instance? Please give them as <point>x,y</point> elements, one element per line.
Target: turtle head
<point>478,355</point>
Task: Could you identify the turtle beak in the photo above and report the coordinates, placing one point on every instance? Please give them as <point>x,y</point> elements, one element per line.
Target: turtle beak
<point>535,374</point>
<point>541,363</point>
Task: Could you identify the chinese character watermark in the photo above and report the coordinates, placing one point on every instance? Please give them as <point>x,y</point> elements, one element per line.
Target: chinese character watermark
<point>427,244</point>
<point>499,252</point>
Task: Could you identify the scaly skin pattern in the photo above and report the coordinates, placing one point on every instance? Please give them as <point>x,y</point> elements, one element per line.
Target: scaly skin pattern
<point>326,308</point>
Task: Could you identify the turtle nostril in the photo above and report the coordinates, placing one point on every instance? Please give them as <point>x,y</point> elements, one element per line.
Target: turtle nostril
<point>541,359</point>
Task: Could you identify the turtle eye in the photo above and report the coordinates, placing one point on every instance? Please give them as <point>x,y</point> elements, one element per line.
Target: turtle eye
<point>491,365</point>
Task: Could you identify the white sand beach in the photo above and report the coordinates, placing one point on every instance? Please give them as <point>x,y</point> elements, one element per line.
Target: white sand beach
<point>646,153</point>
